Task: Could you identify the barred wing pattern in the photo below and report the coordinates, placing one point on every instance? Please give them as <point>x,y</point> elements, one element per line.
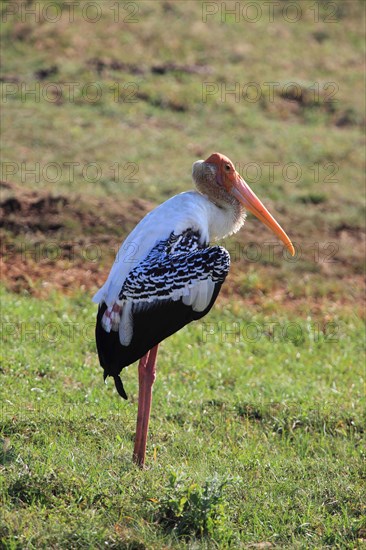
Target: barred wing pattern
<point>177,282</point>
<point>174,268</point>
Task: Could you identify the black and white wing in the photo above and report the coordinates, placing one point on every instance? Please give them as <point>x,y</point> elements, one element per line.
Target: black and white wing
<point>176,283</point>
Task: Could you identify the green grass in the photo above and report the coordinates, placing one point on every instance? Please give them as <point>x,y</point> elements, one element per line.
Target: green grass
<point>257,428</point>
<point>256,435</point>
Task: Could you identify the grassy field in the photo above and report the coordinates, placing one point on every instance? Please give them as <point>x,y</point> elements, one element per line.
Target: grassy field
<point>257,429</point>
<point>270,426</point>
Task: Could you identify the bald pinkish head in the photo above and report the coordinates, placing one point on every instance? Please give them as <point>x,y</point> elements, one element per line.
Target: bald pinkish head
<point>226,174</point>
<point>221,171</point>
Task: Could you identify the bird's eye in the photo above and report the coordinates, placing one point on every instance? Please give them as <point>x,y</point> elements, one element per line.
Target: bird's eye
<point>227,167</point>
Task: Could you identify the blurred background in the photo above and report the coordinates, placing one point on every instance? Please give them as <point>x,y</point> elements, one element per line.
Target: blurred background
<point>258,415</point>
<point>105,106</point>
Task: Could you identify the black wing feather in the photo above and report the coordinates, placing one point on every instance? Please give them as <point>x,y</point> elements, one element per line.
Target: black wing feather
<point>170,266</point>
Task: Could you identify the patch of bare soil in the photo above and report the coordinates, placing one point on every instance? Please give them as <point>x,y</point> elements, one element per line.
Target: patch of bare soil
<point>68,243</point>
<point>57,242</point>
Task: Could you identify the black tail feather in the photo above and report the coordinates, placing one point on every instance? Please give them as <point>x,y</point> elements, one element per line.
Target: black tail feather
<point>118,383</point>
<point>151,326</point>
<point>119,387</point>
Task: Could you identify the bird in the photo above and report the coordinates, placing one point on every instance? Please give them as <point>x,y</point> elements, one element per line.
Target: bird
<point>167,274</point>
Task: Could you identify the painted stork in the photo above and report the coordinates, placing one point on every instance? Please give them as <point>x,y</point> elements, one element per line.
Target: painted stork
<point>166,275</point>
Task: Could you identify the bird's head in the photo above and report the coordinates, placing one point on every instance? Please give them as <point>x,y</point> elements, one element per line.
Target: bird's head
<point>217,177</point>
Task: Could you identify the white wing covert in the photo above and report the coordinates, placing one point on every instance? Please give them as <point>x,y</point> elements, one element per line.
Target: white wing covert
<point>179,267</point>
<point>174,268</point>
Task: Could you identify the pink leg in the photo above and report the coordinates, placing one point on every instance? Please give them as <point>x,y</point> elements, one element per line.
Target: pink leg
<point>147,374</point>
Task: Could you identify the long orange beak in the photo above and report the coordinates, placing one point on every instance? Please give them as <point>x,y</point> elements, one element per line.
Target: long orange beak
<point>250,201</point>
